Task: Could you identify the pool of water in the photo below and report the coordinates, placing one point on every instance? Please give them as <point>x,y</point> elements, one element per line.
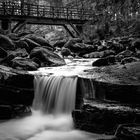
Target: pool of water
<point>44,127</point>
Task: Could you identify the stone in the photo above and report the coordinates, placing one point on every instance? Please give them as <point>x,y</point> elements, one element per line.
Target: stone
<point>124,54</point>
<point>71,42</point>
<point>119,83</point>
<point>6,43</point>
<point>65,52</point>
<point>59,43</point>
<point>19,53</point>
<point>12,111</point>
<point>13,89</point>
<point>24,64</point>
<point>31,44</point>
<point>128,131</point>
<point>87,49</point>
<point>101,48</point>
<point>94,55</point>
<point>78,47</point>
<point>47,57</point>
<point>39,40</point>
<point>104,117</point>
<point>13,36</point>
<point>104,61</point>
<point>3,53</point>
<point>22,44</point>
<point>135,44</point>
<point>11,55</point>
<point>129,60</point>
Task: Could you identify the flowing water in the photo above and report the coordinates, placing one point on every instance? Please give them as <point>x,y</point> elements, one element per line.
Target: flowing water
<point>53,103</point>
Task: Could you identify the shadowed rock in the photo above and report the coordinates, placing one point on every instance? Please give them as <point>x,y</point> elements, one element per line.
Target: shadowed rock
<point>47,57</point>
<point>6,43</point>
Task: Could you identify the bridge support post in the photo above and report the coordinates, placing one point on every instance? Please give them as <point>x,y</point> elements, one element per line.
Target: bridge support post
<point>6,25</point>
<point>18,26</point>
<point>70,33</point>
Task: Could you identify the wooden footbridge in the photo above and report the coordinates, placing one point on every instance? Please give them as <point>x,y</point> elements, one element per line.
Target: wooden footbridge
<point>26,13</point>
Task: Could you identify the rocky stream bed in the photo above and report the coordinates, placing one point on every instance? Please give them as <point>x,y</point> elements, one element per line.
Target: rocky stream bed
<point>115,75</point>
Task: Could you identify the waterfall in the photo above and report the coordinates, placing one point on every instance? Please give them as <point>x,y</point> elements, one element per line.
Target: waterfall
<point>55,94</point>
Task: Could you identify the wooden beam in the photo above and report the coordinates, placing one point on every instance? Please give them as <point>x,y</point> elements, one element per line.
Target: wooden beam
<point>75,29</point>
<point>18,26</point>
<point>71,34</point>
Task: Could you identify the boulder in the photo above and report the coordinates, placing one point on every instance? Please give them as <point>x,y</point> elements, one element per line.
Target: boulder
<point>13,36</point>
<point>19,53</point>
<point>116,47</point>
<point>69,44</point>
<point>128,131</point>
<point>6,43</point>
<point>3,53</point>
<point>104,117</point>
<point>9,111</point>
<point>87,49</point>
<point>78,47</point>
<point>7,61</point>
<point>94,55</point>
<point>24,64</point>
<point>101,48</point>
<point>65,52</point>
<point>124,54</point>
<point>59,43</point>
<point>22,44</point>
<point>22,34</point>
<point>39,40</point>
<point>129,60</point>
<point>31,44</point>
<point>104,61</point>
<point>47,57</point>
<point>135,44</point>
<point>13,89</point>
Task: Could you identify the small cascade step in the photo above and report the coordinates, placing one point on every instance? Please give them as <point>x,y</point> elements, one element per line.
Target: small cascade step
<point>105,117</point>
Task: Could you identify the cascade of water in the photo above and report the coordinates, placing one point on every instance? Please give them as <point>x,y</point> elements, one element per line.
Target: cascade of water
<point>88,89</point>
<point>55,94</point>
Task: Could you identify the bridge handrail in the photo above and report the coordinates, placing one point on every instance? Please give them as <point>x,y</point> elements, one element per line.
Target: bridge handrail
<point>33,10</point>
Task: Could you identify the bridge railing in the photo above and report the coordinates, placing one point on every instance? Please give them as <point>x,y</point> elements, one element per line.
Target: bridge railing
<point>26,9</point>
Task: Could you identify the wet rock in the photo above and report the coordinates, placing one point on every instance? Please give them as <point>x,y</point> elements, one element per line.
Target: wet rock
<point>11,111</point>
<point>135,44</point>
<point>13,36</point>
<point>22,44</point>
<point>3,53</point>
<point>128,132</point>
<point>77,47</point>
<point>59,43</point>
<point>129,60</point>
<point>65,52</point>
<point>13,88</point>
<point>48,58</point>
<point>24,64</point>
<point>19,53</point>
<point>39,40</point>
<point>6,43</point>
<point>31,44</point>
<point>101,48</point>
<point>124,54</point>
<point>104,61</point>
<point>116,47</point>
<point>71,42</point>
<point>104,117</point>
<point>11,55</point>
<point>94,55</point>
<point>87,49</point>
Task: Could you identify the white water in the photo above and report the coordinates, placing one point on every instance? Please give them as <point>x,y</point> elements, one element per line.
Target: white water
<point>55,94</point>
<point>51,115</point>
